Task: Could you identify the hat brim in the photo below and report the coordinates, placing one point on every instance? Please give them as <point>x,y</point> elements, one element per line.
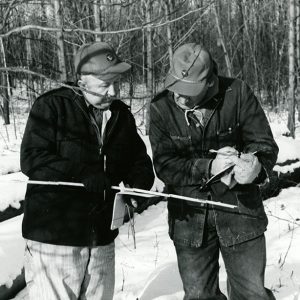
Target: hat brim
<point>182,87</point>
<point>114,71</point>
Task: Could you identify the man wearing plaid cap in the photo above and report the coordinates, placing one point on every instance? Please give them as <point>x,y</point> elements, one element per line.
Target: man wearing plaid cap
<point>201,125</point>
<point>80,133</point>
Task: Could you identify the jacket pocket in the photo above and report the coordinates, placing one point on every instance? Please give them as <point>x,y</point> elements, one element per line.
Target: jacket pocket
<point>229,137</point>
<point>70,148</point>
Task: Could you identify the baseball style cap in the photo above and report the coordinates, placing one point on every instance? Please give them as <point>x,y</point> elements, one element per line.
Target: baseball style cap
<point>191,65</point>
<point>99,59</point>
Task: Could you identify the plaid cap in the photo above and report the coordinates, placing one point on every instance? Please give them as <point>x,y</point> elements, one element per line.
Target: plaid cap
<point>99,59</point>
<point>191,65</point>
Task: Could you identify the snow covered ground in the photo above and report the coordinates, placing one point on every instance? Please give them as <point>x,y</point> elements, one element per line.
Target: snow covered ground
<point>150,271</point>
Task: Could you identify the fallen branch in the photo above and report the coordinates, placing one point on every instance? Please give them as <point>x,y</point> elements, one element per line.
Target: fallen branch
<point>143,193</point>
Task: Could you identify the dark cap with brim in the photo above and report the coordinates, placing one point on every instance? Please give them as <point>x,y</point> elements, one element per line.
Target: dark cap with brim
<point>191,67</point>
<point>99,59</point>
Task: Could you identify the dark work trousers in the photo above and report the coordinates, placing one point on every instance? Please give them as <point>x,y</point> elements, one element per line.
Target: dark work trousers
<point>245,266</point>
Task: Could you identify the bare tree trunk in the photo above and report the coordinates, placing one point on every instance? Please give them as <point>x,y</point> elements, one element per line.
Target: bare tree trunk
<point>6,87</point>
<point>30,85</point>
<point>298,54</point>
<point>167,5</point>
<point>252,44</point>
<point>97,18</point>
<point>60,40</point>
<point>241,36</point>
<point>149,61</point>
<point>227,60</point>
<point>291,117</point>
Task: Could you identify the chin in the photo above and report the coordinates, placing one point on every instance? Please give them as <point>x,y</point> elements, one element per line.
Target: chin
<point>104,105</point>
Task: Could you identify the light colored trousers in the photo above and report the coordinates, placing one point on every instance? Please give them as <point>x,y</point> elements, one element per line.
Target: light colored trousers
<point>55,272</point>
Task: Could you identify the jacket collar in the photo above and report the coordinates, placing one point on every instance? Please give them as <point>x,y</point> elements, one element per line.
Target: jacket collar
<point>224,87</point>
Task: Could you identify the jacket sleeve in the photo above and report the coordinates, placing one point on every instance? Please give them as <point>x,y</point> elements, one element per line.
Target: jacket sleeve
<point>39,159</point>
<point>140,174</point>
<point>171,167</point>
<point>256,131</point>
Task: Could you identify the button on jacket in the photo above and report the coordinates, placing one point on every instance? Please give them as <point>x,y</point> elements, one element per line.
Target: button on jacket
<point>181,158</point>
<point>59,140</point>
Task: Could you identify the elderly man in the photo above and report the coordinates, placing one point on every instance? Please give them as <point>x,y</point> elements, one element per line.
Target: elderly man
<point>201,125</point>
<point>80,134</point>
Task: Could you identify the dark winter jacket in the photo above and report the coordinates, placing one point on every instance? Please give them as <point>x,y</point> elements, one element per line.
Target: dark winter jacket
<point>59,142</point>
<point>181,158</point>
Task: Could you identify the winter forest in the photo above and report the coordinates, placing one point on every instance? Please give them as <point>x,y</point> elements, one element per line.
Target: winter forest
<point>257,41</point>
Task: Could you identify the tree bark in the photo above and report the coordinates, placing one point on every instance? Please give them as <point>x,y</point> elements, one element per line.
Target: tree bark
<point>222,41</point>
<point>291,93</point>
<point>149,61</point>
<point>6,87</point>
<point>241,37</point>
<point>30,84</point>
<point>167,5</point>
<point>97,18</point>
<point>60,40</point>
<point>298,54</point>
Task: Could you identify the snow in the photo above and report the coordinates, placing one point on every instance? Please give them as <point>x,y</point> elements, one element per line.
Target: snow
<point>289,149</point>
<point>13,188</point>
<point>9,162</point>
<point>144,272</point>
<point>283,244</point>
<point>11,250</point>
<point>150,271</point>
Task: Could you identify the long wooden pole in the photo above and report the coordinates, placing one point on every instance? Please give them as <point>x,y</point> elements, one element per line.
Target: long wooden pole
<point>141,192</point>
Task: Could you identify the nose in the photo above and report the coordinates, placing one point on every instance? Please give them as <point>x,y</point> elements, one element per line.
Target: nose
<point>111,90</point>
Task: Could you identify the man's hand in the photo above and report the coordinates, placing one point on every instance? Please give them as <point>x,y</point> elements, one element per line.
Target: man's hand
<point>135,204</point>
<point>223,159</point>
<point>130,201</point>
<point>246,169</point>
<point>94,179</point>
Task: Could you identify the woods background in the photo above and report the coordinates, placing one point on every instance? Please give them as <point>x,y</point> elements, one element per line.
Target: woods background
<point>255,40</point>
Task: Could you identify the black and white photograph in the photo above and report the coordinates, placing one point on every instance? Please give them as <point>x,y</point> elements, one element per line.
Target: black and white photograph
<point>150,150</point>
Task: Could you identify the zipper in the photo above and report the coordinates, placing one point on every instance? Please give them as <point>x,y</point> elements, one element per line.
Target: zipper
<point>94,124</point>
<point>205,125</point>
<point>100,139</point>
<point>104,171</point>
<point>107,133</point>
<point>104,140</point>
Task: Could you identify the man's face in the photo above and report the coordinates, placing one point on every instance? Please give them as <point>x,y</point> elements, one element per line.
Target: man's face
<point>106,90</point>
<point>188,102</point>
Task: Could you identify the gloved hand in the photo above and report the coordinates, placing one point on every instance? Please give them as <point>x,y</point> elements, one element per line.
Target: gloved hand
<point>223,159</point>
<point>130,201</point>
<point>246,169</point>
<point>94,179</point>
<point>135,205</point>
<point>136,202</point>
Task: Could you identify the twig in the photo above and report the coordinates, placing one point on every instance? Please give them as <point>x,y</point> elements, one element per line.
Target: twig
<point>157,249</point>
<point>288,249</point>
<point>123,280</point>
<point>81,30</point>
